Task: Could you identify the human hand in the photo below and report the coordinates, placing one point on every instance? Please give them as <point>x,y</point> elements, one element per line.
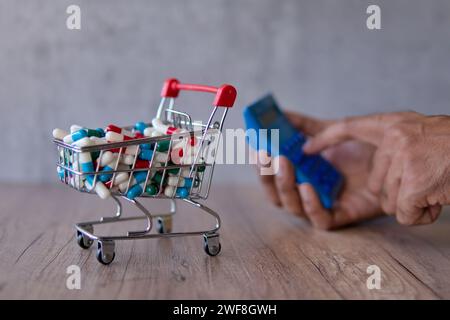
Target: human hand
<point>353,159</point>
<point>411,172</point>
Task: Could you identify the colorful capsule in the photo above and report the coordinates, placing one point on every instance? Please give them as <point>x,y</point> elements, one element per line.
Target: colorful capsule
<point>107,158</point>
<point>152,189</point>
<point>140,126</point>
<point>112,136</point>
<point>75,127</point>
<point>164,128</point>
<point>175,181</point>
<point>146,154</point>
<point>59,133</point>
<point>60,172</point>
<point>116,129</point>
<point>86,164</point>
<point>135,191</point>
<point>127,159</point>
<point>75,136</point>
<point>171,192</point>
<point>148,131</point>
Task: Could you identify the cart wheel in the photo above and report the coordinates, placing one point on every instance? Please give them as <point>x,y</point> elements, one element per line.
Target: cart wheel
<point>84,241</point>
<point>211,244</point>
<point>105,252</point>
<point>164,224</point>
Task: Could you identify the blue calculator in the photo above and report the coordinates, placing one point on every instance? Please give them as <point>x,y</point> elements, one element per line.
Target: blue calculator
<point>314,169</point>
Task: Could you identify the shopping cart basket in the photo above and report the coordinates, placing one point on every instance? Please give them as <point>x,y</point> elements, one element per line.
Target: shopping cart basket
<point>199,170</point>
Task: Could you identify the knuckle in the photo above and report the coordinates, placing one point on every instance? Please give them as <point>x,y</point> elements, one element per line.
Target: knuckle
<point>403,220</point>
<point>397,132</point>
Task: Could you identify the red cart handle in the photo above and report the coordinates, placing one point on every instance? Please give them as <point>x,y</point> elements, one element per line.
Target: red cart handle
<point>225,94</point>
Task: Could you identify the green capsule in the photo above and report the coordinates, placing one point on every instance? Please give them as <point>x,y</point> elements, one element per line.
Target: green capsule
<point>174,170</point>
<point>201,168</point>
<point>95,155</point>
<point>94,133</point>
<point>151,189</point>
<point>163,145</point>
<point>157,177</point>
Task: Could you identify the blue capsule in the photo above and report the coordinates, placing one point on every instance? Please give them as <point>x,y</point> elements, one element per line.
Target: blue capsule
<point>135,191</point>
<point>187,183</point>
<point>101,132</point>
<point>146,154</point>
<point>146,146</point>
<point>140,126</point>
<point>140,176</point>
<point>60,173</point>
<point>182,192</point>
<point>75,136</point>
<point>106,176</point>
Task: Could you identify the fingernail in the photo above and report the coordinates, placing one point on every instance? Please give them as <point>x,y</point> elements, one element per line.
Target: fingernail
<point>304,192</point>
<point>307,146</point>
<point>281,168</point>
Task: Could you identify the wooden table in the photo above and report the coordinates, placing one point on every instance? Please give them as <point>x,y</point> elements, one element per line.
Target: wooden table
<point>266,253</point>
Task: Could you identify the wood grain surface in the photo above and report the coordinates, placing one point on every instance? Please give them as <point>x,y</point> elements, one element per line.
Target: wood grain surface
<point>266,253</point>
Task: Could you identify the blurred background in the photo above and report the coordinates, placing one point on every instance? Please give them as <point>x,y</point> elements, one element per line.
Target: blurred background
<point>318,57</point>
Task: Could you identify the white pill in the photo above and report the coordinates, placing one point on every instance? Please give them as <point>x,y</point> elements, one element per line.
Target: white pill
<point>84,142</point>
<point>98,140</point>
<point>148,131</point>
<point>107,158</point>
<point>127,159</point>
<point>164,128</point>
<point>59,133</point>
<point>120,178</point>
<point>156,134</point>
<point>112,136</point>
<point>190,159</point>
<point>185,172</point>
<point>169,191</point>
<point>101,190</point>
<point>75,127</point>
<point>123,186</point>
<point>174,181</point>
<point>160,157</point>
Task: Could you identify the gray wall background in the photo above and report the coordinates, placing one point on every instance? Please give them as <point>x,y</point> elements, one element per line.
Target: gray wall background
<point>317,56</point>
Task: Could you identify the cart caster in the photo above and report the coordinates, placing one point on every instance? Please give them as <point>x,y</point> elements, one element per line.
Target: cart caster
<point>105,252</point>
<point>83,240</point>
<point>164,224</point>
<point>211,244</point>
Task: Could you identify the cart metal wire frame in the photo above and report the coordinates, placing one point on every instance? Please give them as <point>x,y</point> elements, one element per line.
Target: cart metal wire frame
<point>200,170</point>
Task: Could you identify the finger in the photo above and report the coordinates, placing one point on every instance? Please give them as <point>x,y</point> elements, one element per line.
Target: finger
<point>430,214</point>
<point>270,189</point>
<point>287,187</point>
<point>319,217</point>
<point>391,186</point>
<point>308,125</point>
<point>261,159</point>
<point>368,129</point>
<point>407,213</point>
<point>380,166</point>
<point>433,212</point>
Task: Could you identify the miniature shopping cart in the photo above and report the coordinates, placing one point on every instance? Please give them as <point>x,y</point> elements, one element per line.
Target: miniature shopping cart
<point>200,171</point>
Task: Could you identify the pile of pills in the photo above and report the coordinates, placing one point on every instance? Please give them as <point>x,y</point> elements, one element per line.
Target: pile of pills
<point>134,158</point>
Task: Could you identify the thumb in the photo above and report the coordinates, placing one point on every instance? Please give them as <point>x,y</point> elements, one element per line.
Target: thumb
<point>308,125</point>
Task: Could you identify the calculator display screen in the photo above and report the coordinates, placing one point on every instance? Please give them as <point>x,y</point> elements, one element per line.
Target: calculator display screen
<point>268,117</point>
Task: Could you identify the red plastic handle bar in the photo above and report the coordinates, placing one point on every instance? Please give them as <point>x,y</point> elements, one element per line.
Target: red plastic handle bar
<point>225,94</point>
